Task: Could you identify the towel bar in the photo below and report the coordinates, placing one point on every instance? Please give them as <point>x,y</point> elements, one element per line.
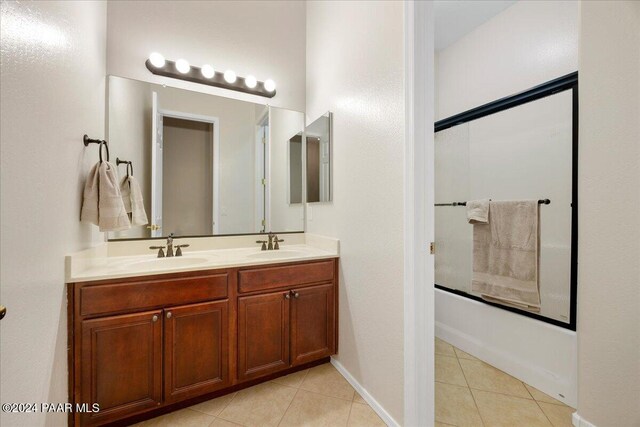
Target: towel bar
<point>540,202</point>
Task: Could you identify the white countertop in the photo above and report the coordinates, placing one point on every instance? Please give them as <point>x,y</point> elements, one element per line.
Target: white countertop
<point>133,258</point>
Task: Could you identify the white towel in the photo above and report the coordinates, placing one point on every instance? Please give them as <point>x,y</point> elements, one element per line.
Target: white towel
<point>90,197</point>
<point>478,211</point>
<point>112,215</point>
<point>132,199</point>
<point>505,255</point>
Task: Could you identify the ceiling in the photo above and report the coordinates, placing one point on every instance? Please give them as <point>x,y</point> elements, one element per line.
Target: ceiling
<point>457,18</point>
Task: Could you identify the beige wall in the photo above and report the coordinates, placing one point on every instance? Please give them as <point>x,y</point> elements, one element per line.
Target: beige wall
<point>52,92</point>
<point>355,69</point>
<point>187,177</point>
<point>609,246</point>
<point>263,38</point>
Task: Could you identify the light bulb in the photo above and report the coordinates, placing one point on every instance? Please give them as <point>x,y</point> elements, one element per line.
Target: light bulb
<point>230,76</point>
<point>207,71</point>
<point>250,81</point>
<point>183,66</point>
<point>156,60</point>
<point>269,85</point>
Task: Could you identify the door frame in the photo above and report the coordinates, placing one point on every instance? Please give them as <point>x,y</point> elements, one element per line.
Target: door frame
<point>419,189</point>
<point>215,122</point>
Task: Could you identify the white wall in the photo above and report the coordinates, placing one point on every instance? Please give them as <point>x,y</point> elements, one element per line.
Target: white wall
<point>528,44</point>
<point>53,91</point>
<point>355,69</point>
<point>609,255</point>
<point>263,38</point>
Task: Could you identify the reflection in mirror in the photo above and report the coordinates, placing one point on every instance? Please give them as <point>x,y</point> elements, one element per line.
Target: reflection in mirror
<point>295,169</point>
<point>206,165</point>
<point>318,147</point>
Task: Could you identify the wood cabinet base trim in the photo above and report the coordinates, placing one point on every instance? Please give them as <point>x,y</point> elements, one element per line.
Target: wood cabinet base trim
<point>203,398</point>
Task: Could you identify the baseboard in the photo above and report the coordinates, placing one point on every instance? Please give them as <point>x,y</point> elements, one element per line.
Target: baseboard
<point>535,376</point>
<point>382,413</point>
<point>578,421</point>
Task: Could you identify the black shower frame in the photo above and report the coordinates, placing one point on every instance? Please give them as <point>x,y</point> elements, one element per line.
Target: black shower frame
<point>561,84</point>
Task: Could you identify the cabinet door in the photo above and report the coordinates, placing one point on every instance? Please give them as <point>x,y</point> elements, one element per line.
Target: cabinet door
<point>196,349</point>
<point>121,365</point>
<point>312,323</point>
<point>263,334</point>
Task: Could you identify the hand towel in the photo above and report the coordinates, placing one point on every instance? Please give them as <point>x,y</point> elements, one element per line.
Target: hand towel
<point>112,215</point>
<point>125,192</point>
<point>138,214</point>
<point>90,197</point>
<point>478,211</point>
<point>505,255</point>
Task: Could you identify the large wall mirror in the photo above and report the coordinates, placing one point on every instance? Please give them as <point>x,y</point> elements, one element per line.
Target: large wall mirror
<point>206,165</point>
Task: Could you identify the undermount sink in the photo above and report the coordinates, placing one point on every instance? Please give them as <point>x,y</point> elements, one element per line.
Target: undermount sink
<point>162,263</point>
<point>275,254</point>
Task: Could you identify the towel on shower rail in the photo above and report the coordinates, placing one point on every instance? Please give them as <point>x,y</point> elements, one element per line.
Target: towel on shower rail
<point>133,202</point>
<point>478,211</point>
<point>505,255</point>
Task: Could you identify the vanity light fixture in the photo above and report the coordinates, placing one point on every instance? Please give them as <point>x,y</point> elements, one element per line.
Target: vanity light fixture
<point>270,85</point>
<point>157,60</point>
<point>181,69</point>
<point>208,71</point>
<point>183,66</point>
<point>230,76</point>
<point>250,81</point>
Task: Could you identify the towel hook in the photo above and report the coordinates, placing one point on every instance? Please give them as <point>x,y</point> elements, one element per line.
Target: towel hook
<point>129,164</point>
<point>86,140</point>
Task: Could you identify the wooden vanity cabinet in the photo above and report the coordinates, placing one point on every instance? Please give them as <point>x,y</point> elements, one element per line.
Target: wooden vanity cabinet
<point>121,359</point>
<point>144,345</point>
<point>289,327</point>
<point>196,356</point>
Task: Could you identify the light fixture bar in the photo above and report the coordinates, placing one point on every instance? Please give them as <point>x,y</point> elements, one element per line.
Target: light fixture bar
<point>195,75</point>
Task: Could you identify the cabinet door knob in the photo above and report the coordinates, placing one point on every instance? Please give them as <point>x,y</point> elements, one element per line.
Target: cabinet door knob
<point>169,315</point>
<point>154,318</point>
<point>287,296</point>
<point>296,294</point>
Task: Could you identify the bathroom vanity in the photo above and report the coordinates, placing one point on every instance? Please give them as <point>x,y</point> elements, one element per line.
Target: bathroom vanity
<point>149,335</point>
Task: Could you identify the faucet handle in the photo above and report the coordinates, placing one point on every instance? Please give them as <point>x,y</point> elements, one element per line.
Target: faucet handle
<point>160,250</point>
<point>179,249</point>
<point>276,246</point>
<point>264,244</point>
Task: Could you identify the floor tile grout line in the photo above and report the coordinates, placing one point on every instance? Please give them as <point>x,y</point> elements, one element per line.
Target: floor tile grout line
<point>502,394</point>
<point>543,413</point>
<point>470,392</point>
<point>289,406</point>
<point>350,409</point>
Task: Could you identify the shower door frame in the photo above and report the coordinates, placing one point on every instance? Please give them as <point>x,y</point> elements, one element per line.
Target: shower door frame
<point>560,84</point>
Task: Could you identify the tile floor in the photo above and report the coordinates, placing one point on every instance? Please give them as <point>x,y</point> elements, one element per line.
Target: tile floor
<point>319,396</point>
<point>470,392</point>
